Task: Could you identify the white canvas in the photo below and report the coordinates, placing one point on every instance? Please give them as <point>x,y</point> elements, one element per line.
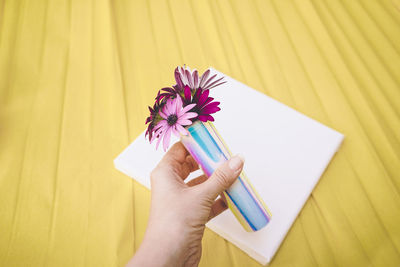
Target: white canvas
<point>286,153</point>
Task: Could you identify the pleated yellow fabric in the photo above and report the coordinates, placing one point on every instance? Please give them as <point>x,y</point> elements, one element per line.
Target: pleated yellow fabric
<point>76,77</point>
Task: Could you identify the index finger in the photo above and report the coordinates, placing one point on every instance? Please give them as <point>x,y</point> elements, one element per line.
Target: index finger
<point>177,153</point>
<point>179,160</point>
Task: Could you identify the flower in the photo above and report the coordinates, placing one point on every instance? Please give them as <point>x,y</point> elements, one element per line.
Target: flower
<point>168,93</point>
<point>204,105</point>
<point>153,118</point>
<point>170,112</point>
<point>174,117</point>
<point>185,77</point>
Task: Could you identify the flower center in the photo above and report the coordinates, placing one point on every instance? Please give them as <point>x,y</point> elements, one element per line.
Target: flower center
<point>172,119</point>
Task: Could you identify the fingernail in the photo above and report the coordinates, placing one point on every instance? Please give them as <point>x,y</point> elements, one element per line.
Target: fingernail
<point>236,162</point>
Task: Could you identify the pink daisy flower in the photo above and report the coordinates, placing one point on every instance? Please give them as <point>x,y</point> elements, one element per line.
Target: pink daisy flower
<point>175,117</point>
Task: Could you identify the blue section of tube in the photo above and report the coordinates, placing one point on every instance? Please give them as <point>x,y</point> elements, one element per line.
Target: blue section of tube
<point>209,155</point>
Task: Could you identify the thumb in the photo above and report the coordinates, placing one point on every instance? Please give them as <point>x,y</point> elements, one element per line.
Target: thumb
<point>223,177</point>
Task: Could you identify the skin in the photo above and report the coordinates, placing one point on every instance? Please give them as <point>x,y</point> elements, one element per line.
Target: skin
<point>180,210</point>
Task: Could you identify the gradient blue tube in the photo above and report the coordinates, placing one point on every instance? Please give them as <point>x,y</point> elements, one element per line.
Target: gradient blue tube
<point>209,150</point>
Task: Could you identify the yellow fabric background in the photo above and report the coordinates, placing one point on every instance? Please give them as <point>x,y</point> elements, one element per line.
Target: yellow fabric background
<point>76,78</point>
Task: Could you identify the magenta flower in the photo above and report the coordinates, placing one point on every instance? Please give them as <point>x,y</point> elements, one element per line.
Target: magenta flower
<point>175,117</point>
<point>166,93</point>
<point>153,118</point>
<point>204,105</point>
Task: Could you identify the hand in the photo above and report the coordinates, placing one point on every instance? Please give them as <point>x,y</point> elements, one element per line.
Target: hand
<point>179,210</point>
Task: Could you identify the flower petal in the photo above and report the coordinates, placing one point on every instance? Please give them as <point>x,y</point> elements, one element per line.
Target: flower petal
<point>169,106</point>
<point>159,131</point>
<point>209,86</point>
<point>208,81</point>
<point>187,93</point>
<point>203,97</point>
<point>161,123</point>
<point>202,118</point>
<point>188,115</point>
<point>181,129</point>
<point>168,89</point>
<point>178,105</point>
<point>204,78</point>
<point>209,110</point>
<point>162,114</point>
<point>167,137</point>
<point>153,137</point>
<point>185,109</point>
<point>174,130</point>
<point>209,99</point>
<point>161,96</point>
<point>197,95</point>
<point>213,104</point>
<point>195,75</point>
<point>215,85</point>
<point>189,78</point>
<point>165,109</point>
<point>205,118</point>
<point>158,142</point>
<point>184,122</point>
<point>172,106</point>
<point>183,76</point>
<point>178,78</point>
<point>210,118</point>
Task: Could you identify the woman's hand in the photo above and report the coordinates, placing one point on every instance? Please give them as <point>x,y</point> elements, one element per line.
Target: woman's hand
<point>179,210</point>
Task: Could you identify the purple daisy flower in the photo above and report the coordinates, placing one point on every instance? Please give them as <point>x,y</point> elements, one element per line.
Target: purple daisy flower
<point>185,77</point>
<point>174,118</point>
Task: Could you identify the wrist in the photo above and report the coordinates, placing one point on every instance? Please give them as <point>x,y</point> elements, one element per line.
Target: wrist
<point>160,247</point>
